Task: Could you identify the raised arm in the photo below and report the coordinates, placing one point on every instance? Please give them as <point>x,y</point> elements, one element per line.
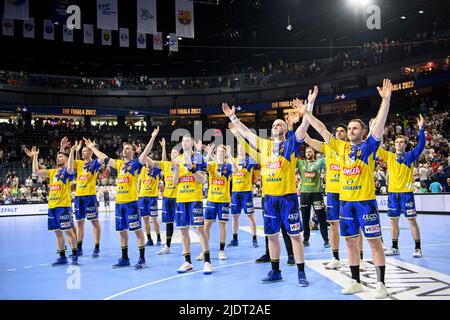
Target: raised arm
<point>300,133</point>
<point>30,155</point>
<point>230,159</point>
<point>248,149</point>
<point>240,127</point>
<point>35,165</point>
<point>70,162</point>
<point>100,155</point>
<point>148,147</point>
<point>209,152</point>
<point>63,144</point>
<point>417,150</point>
<point>313,143</point>
<point>380,120</point>
<point>163,147</point>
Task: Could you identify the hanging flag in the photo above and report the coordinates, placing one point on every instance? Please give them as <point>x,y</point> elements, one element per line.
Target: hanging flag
<point>141,40</point>
<point>7,27</point>
<point>28,28</point>
<point>124,37</point>
<point>67,34</point>
<point>49,30</point>
<point>59,11</point>
<point>16,9</point>
<point>157,41</point>
<point>106,37</point>
<point>88,33</point>
<point>173,42</point>
<point>107,17</point>
<point>184,17</point>
<point>146,16</point>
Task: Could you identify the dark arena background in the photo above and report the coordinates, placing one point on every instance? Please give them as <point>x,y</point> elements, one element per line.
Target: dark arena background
<point>114,78</point>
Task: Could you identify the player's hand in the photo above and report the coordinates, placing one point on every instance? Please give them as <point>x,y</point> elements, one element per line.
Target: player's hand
<point>229,155</point>
<point>163,143</point>
<point>227,110</point>
<point>199,146</point>
<point>89,143</point>
<point>386,91</point>
<point>28,152</point>
<point>137,148</point>
<point>312,94</point>
<point>420,121</point>
<point>155,132</point>
<point>64,143</point>
<point>299,106</point>
<point>34,151</point>
<point>75,147</point>
<point>231,126</point>
<point>210,148</point>
<point>79,145</point>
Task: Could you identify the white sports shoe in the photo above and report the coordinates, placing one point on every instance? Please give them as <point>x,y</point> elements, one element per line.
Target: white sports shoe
<point>222,255</point>
<point>165,250</point>
<point>417,253</point>
<point>185,267</point>
<point>207,268</point>
<point>354,287</point>
<point>333,264</point>
<point>380,291</point>
<point>392,252</point>
<point>200,257</point>
<point>362,265</point>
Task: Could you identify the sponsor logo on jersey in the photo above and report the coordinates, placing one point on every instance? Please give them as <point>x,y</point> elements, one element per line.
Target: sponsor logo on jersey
<point>274,164</point>
<point>295,226</point>
<point>55,187</point>
<point>148,181</point>
<point>370,217</point>
<point>240,173</point>
<point>123,180</point>
<point>352,171</point>
<point>186,179</point>
<point>372,229</point>
<point>218,182</point>
<point>198,219</point>
<point>169,178</point>
<point>309,174</point>
<point>335,167</point>
<point>83,177</point>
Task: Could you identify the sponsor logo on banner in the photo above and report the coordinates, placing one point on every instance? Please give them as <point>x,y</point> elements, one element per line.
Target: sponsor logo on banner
<point>186,179</point>
<point>145,14</point>
<point>106,9</point>
<point>123,180</point>
<point>352,171</point>
<point>372,229</point>
<point>124,37</point>
<point>106,36</point>
<point>184,16</point>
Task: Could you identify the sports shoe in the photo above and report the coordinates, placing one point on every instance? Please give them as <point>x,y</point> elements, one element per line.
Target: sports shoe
<point>140,265</point>
<point>305,243</point>
<point>158,242</point>
<point>185,267</point>
<point>222,255</point>
<point>233,243</point>
<point>122,263</point>
<point>79,252</point>
<point>326,244</point>
<point>392,252</point>
<point>165,250</point>
<point>380,291</point>
<point>200,257</point>
<point>354,287</point>
<point>362,265</point>
<point>150,243</point>
<point>291,260</point>
<point>74,261</point>
<point>255,243</point>
<point>272,276</point>
<point>207,268</point>
<point>417,253</point>
<point>96,253</point>
<point>302,282</point>
<point>264,258</point>
<point>333,264</point>
<point>60,262</point>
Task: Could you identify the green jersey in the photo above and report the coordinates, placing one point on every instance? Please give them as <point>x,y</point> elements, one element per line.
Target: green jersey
<point>310,174</point>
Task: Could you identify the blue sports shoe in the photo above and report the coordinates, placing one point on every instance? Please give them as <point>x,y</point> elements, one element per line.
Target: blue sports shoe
<point>255,244</point>
<point>302,282</point>
<point>79,252</point>
<point>122,263</point>
<point>233,243</point>
<point>158,242</point>
<point>273,276</point>
<point>74,261</point>
<point>96,253</point>
<point>60,262</point>
<point>149,243</point>
<point>140,264</point>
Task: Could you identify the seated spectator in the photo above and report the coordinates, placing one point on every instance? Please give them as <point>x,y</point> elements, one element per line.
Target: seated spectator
<point>435,186</point>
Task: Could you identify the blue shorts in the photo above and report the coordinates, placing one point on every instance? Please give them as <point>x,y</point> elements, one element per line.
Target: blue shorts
<point>242,200</point>
<point>359,214</point>
<point>214,209</point>
<point>282,209</point>
<point>401,202</point>
<point>148,206</point>
<point>169,206</point>
<point>86,207</point>
<point>333,206</point>
<point>59,218</point>
<point>189,214</point>
<point>127,216</point>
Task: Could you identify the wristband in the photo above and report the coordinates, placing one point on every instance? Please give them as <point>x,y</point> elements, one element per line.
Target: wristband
<point>309,106</point>
<point>234,119</point>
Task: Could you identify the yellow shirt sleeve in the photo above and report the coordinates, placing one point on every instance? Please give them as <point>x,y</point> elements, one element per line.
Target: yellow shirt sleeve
<point>337,145</point>
<point>249,150</point>
<point>383,154</point>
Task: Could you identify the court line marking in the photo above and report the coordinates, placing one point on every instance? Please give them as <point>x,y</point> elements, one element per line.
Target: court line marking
<point>228,265</point>
<point>28,267</point>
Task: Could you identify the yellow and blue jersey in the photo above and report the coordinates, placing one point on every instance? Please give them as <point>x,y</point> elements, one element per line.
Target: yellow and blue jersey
<point>333,169</point>
<point>127,180</point>
<point>149,182</point>
<point>60,188</point>
<point>242,179</point>
<point>219,182</point>
<point>401,166</point>
<point>170,190</point>
<point>86,177</point>
<point>357,164</point>
<point>188,189</point>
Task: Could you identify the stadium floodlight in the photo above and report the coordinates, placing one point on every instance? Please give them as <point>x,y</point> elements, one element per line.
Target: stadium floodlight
<point>403,17</point>
<point>421,11</point>
<point>361,3</point>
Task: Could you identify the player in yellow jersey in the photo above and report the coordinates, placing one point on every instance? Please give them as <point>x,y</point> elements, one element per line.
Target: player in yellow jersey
<point>86,205</point>
<point>358,205</point>
<point>127,209</point>
<point>278,163</point>
<point>400,187</point>
<point>59,202</point>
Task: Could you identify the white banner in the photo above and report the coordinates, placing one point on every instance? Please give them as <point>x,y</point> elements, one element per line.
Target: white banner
<point>67,34</point>
<point>157,41</point>
<point>49,30</point>
<point>141,40</point>
<point>107,17</point>
<point>146,16</point>
<point>106,38</point>
<point>173,42</point>
<point>124,37</point>
<point>28,28</point>
<point>184,17</point>
<point>88,33</point>
<point>7,27</point>
<point>23,209</point>
<point>16,9</point>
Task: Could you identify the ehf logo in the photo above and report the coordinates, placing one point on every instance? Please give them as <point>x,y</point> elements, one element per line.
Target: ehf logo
<point>144,14</point>
<point>141,39</point>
